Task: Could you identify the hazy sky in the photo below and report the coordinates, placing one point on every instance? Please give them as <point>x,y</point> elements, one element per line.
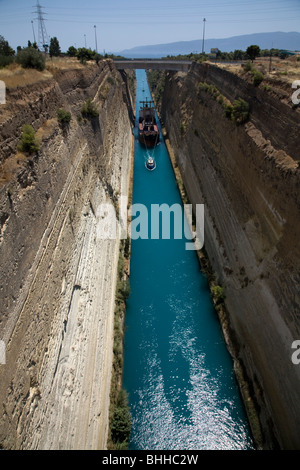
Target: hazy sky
<point>122,24</point>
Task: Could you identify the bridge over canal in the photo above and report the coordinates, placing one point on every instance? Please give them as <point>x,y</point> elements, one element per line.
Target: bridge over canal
<point>157,64</point>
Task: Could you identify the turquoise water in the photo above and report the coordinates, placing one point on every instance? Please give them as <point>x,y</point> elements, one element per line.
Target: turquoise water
<point>177,370</point>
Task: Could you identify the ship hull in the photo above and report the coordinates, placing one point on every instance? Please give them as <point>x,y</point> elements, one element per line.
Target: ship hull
<point>148,140</point>
<point>148,130</point>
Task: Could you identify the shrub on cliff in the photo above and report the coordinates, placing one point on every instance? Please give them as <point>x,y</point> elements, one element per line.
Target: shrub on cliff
<point>240,111</point>
<point>63,116</point>
<point>248,66</point>
<point>121,422</point>
<point>218,294</point>
<point>29,143</point>
<point>31,58</point>
<point>257,77</point>
<point>89,109</point>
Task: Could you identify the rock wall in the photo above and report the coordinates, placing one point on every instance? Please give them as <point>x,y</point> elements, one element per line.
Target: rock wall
<point>248,178</point>
<point>58,277</point>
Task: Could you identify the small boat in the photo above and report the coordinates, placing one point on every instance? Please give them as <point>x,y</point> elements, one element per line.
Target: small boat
<point>148,130</point>
<point>150,164</point>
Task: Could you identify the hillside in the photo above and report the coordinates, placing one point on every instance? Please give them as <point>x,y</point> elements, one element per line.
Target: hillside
<point>277,40</point>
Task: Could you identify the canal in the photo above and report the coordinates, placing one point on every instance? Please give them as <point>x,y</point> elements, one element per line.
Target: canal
<point>177,370</point>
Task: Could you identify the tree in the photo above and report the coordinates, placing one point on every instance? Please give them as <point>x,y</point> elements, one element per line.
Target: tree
<point>31,58</point>
<point>72,51</point>
<point>5,49</point>
<point>32,44</point>
<point>253,52</point>
<point>54,49</point>
<point>84,54</point>
<point>238,54</point>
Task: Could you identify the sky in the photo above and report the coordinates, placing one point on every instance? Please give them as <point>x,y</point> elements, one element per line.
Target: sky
<point>115,25</point>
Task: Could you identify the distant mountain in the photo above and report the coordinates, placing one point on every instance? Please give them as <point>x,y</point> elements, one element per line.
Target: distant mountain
<point>277,40</point>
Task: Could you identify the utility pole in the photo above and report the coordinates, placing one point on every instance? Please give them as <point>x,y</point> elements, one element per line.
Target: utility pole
<point>203,35</point>
<point>33,32</point>
<point>42,32</point>
<point>96,39</point>
<point>85,40</point>
<point>270,63</point>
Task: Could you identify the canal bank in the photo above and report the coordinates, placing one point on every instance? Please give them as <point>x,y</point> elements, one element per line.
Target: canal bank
<point>177,371</point>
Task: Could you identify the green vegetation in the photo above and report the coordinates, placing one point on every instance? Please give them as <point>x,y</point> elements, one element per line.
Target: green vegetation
<point>89,109</point>
<point>54,49</point>
<point>240,111</point>
<point>237,54</point>
<point>121,422</point>
<point>6,60</point>
<point>72,51</point>
<point>83,54</point>
<point>6,53</point>
<point>217,294</point>
<point>31,58</point>
<point>63,116</point>
<point>257,76</point>
<point>30,44</point>
<point>193,56</point>
<point>29,143</point>
<point>5,49</point>
<point>211,89</point>
<point>253,52</point>
<point>120,419</point>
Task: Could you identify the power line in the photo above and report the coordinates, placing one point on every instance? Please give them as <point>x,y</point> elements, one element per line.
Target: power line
<point>43,38</point>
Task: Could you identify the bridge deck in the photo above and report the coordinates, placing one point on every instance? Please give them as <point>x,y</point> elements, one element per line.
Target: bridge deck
<point>178,65</point>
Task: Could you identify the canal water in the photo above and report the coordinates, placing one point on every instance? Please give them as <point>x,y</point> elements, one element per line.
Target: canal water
<point>177,370</point>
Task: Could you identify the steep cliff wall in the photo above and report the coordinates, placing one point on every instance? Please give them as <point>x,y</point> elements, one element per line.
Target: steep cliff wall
<point>248,178</point>
<point>57,278</point>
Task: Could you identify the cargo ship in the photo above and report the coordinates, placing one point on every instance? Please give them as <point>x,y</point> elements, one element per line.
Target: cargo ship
<point>148,130</point>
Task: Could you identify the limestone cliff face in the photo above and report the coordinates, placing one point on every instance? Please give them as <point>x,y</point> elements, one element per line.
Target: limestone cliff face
<point>248,178</point>
<point>57,277</point>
